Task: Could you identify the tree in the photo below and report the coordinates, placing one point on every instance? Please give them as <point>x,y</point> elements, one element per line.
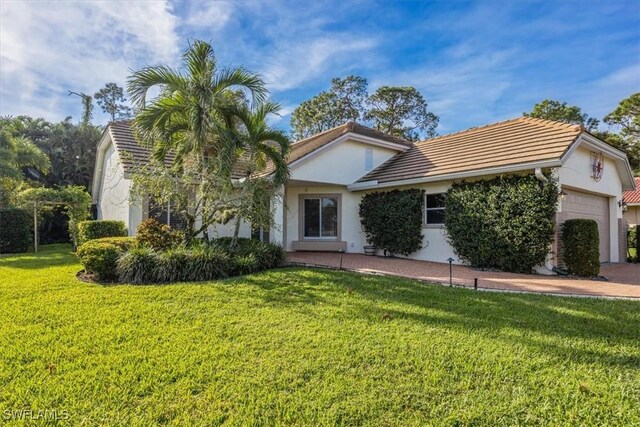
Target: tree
<point>110,98</point>
<point>399,111</point>
<point>16,154</point>
<point>343,102</point>
<point>562,112</point>
<point>186,119</point>
<point>87,107</point>
<point>626,117</point>
<point>402,112</point>
<point>258,145</point>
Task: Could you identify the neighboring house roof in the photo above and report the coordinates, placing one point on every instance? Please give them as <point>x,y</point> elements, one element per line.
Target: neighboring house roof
<point>313,143</point>
<point>521,140</point>
<point>633,197</point>
<point>132,154</point>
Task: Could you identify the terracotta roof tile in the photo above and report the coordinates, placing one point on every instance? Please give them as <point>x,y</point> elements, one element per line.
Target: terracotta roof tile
<point>633,197</point>
<point>515,141</point>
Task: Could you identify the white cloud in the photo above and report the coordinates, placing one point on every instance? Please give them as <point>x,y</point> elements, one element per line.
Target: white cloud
<point>298,62</point>
<point>211,14</point>
<point>49,48</point>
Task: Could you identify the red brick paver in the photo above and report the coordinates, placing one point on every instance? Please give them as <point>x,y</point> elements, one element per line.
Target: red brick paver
<point>624,279</point>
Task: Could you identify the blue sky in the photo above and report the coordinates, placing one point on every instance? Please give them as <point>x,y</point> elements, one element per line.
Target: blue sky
<point>475,62</point>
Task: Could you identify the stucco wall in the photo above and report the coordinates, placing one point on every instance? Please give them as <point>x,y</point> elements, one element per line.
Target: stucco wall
<point>113,201</point>
<point>632,215</point>
<point>343,163</point>
<point>576,174</point>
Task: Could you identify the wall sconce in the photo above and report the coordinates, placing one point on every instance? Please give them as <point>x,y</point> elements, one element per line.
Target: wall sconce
<point>623,205</point>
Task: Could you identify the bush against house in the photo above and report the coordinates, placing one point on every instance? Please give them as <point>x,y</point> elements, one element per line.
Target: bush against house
<point>581,247</point>
<point>99,256</point>
<point>90,230</point>
<point>15,230</point>
<point>504,223</point>
<point>392,220</point>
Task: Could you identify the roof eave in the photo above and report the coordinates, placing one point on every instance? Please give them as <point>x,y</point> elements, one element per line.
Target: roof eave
<point>374,184</point>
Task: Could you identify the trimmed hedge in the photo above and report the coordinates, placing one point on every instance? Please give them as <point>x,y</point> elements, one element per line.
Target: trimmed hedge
<point>392,220</point>
<point>205,261</point>
<point>581,247</point>
<point>100,256</point>
<point>505,223</point>
<point>16,230</point>
<point>98,229</point>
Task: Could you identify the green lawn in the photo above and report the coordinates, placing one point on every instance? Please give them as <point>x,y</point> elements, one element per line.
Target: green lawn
<point>309,347</point>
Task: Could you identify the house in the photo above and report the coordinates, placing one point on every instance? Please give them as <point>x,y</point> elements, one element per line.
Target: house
<point>631,200</point>
<point>330,172</point>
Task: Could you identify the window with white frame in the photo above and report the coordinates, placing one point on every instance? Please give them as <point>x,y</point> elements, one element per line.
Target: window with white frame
<point>368,159</point>
<point>434,208</point>
<point>320,217</point>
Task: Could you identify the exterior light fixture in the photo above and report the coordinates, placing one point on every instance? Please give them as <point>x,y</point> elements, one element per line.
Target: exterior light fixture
<point>623,205</point>
<point>563,194</point>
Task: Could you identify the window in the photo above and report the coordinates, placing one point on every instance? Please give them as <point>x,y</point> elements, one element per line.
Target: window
<point>368,159</point>
<point>320,217</point>
<point>434,208</point>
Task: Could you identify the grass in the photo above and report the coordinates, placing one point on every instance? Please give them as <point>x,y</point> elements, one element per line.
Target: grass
<point>309,347</point>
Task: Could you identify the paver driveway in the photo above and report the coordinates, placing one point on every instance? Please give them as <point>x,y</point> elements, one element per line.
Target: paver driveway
<point>624,279</point>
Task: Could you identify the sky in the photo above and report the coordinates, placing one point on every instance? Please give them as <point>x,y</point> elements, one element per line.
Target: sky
<point>474,62</point>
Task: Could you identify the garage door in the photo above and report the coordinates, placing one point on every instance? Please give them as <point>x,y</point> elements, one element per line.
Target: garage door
<point>584,205</point>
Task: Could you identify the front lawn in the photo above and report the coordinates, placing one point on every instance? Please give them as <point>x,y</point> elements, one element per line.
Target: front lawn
<point>309,347</point>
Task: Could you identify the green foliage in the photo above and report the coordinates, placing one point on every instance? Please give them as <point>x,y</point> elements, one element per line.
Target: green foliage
<point>398,111</point>
<point>100,256</point>
<point>157,236</point>
<point>308,347</point>
<point>581,247</point>
<point>392,220</point>
<point>626,117</point>
<point>111,99</point>
<point>138,265</point>
<point>343,102</point>
<point>96,229</point>
<point>562,112</point>
<point>15,230</point>
<point>75,199</point>
<point>633,244</point>
<point>401,111</point>
<point>504,223</point>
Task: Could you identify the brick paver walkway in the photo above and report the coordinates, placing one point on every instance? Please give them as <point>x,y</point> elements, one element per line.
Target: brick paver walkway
<point>624,279</point>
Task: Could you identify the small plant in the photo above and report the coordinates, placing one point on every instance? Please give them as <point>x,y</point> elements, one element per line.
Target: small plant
<point>15,230</point>
<point>633,244</point>
<point>245,264</point>
<point>581,246</point>
<point>157,236</point>
<point>137,265</point>
<point>97,229</point>
<point>100,256</point>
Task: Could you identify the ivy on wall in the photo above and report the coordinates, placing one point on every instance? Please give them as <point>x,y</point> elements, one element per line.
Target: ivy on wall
<point>392,220</point>
<point>504,223</point>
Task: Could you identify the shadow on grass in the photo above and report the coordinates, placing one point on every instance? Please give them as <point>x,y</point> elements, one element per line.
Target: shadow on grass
<point>47,256</point>
<point>543,323</point>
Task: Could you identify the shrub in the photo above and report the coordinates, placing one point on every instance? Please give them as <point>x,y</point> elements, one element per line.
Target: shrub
<point>581,247</point>
<point>267,255</point>
<point>157,236</point>
<point>633,243</point>
<point>137,265</point>
<point>15,230</point>
<point>100,256</point>
<point>245,264</point>
<point>506,223</point>
<point>392,220</point>
<point>97,229</point>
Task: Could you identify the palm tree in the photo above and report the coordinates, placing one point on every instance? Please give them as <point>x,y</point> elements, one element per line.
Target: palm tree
<point>261,150</point>
<point>185,114</point>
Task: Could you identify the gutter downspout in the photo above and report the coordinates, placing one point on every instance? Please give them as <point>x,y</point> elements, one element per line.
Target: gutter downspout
<point>548,267</point>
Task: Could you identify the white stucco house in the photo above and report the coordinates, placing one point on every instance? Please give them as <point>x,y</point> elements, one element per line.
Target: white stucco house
<point>331,171</point>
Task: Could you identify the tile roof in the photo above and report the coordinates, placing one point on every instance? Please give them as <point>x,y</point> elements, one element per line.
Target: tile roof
<point>511,142</point>
<point>633,197</point>
<point>308,145</point>
<point>134,153</point>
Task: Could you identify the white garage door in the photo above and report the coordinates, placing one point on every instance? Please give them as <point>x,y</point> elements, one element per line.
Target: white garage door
<point>583,205</point>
